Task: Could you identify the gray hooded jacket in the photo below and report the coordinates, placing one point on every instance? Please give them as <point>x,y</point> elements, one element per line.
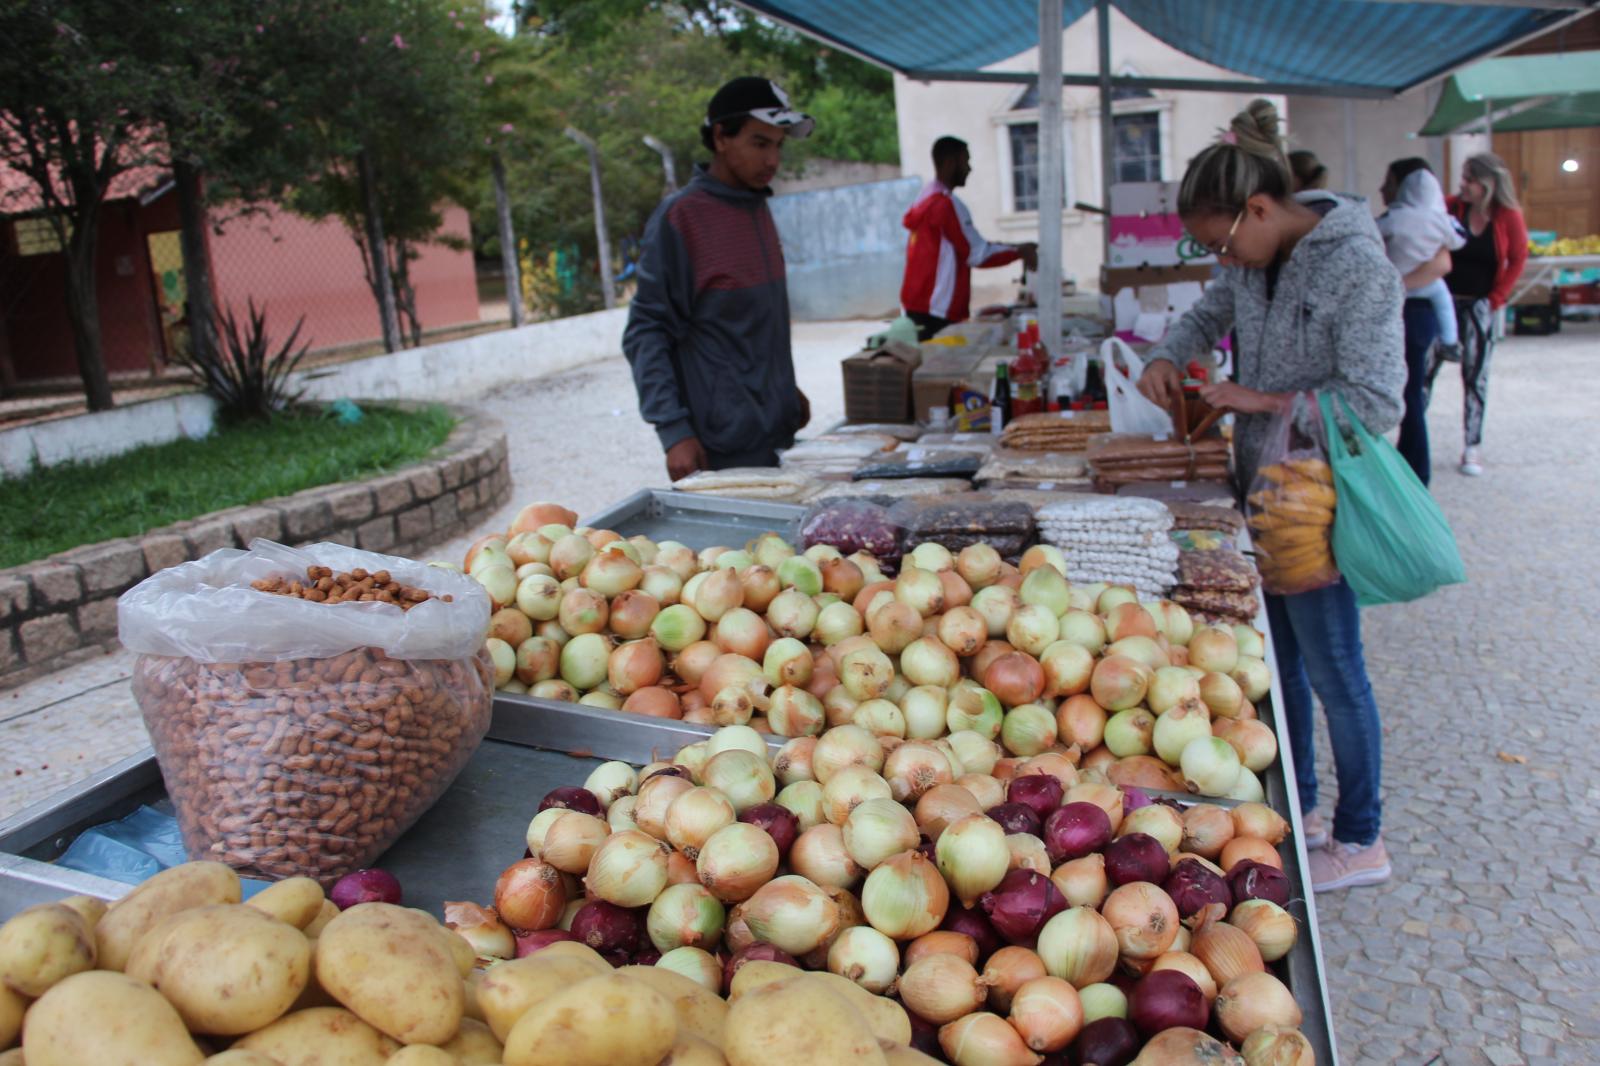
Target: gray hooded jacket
<point>1332,324</point>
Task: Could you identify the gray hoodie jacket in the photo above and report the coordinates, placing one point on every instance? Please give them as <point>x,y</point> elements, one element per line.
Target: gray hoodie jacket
<point>1332,324</point>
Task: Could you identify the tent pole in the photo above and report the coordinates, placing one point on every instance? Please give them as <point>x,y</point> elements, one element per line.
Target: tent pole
<point>1052,176</point>
<point>1108,140</point>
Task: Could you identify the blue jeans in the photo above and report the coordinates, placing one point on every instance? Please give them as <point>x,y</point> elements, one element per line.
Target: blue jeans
<point>1317,638</point>
<point>1422,328</point>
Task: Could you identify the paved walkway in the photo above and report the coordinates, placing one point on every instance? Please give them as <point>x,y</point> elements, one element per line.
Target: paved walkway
<point>1483,948</point>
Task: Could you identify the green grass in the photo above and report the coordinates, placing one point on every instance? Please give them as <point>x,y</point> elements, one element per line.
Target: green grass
<point>61,507</point>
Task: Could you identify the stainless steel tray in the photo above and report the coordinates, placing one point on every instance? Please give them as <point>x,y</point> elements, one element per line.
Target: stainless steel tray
<point>698,521</point>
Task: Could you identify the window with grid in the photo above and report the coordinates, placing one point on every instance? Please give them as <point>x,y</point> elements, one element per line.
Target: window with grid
<point>1136,139</point>
<point>35,236</point>
<point>1025,166</point>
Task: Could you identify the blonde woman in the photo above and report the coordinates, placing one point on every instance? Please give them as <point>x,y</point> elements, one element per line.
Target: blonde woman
<point>1483,271</point>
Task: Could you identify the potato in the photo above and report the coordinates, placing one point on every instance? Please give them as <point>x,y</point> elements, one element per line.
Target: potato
<point>690,1050</point>
<point>888,1019</point>
<point>511,988</point>
<point>194,884</point>
<point>754,975</point>
<point>472,1008</point>
<point>393,968</point>
<point>326,914</point>
<point>474,1045</point>
<point>12,1057</point>
<point>421,1055</point>
<point>699,1010</point>
<point>604,1021</point>
<point>229,969</point>
<point>108,1019</point>
<point>571,949</point>
<point>798,1022</point>
<point>12,1007</point>
<point>295,900</point>
<point>236,1057</point>
<point>313,994</point>
<point>321,1036</point>
<point>93,908</point>
<point>461,951</point>
<point>43,944</point>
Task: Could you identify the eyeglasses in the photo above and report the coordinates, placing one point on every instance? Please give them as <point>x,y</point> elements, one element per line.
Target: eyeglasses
<point>1221,250</point>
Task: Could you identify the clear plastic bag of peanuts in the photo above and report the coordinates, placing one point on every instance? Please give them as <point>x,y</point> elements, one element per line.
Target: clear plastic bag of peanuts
<point>307,705</point>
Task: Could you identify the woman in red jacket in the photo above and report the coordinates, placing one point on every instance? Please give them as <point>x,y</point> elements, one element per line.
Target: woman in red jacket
<point>1482,274</point>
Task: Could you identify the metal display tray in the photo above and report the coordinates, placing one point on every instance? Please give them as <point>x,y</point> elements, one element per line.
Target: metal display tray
<point>697,520</point>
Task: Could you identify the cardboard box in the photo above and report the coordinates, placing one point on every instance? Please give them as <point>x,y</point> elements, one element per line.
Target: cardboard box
<point>942,368</point>
<point>877,383</point>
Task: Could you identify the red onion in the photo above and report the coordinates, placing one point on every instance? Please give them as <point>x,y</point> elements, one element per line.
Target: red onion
<point>779,822</point>
<point>1017,818</point>
<point>1106,1042</point>
<point>607,927</point>
<point>528,943</point>
<point>572,798</point>
<point>365,886</point>
<point>1256,880</point>
<point>1192,886</point>
<point>1076,830</point>
<point>1042,792</point>
<point>647,957</point>
<point>973,922</point>
<point>925,845</point>
<point>1133,798</point>
<point>1020,904</point>
<point>1167,999</point>
<point>1137,857</point>
<point>757,952</point>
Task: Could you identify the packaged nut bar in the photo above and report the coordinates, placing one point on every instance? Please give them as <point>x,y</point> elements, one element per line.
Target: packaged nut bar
<point>305,713</point>
<point>851,526</point>
<point>977,513</point>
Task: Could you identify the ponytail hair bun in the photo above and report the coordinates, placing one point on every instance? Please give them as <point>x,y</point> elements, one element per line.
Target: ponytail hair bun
<point>1248,159</point>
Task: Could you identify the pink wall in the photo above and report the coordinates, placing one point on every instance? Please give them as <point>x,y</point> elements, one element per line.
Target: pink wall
<point>296,266</point>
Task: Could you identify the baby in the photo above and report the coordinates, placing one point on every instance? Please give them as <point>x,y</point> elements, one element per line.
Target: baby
<point>1414,228</point>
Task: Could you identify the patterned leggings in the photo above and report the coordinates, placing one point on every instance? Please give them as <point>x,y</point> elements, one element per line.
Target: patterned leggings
<point>1476,321</point>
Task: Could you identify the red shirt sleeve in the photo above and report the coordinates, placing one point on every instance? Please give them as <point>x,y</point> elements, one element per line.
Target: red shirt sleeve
<point>1514,231</point>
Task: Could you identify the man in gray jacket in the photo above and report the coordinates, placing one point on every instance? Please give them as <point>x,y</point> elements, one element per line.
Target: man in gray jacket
<point>708,330</point>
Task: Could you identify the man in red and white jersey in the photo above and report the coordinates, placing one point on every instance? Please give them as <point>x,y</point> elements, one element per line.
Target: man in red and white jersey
<point>944,246</point>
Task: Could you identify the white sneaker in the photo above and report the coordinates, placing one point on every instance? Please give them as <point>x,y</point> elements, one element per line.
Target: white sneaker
<point>1471,463</point>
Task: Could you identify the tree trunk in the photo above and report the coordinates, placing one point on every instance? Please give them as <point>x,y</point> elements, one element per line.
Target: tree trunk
<point>508,242</point>
<point>371,208</point>
<point>405,295</point>
<point>201,308</point>
<point>83,309</point>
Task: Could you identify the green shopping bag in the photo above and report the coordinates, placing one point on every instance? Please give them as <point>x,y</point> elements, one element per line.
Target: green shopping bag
<point>1390,539</point>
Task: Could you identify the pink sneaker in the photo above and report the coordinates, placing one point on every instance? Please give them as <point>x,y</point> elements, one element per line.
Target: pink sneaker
<point>1341,865</point>
<point>1314,831</point>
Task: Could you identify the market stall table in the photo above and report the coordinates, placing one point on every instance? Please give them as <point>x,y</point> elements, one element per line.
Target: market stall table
<point>1544,270</point>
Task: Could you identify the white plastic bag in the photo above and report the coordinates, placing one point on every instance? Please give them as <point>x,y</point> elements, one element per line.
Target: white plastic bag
<point>1130,411</point>
<point>206,610</point>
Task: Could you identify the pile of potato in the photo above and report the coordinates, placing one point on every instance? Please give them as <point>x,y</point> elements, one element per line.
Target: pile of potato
<point>180,969</point>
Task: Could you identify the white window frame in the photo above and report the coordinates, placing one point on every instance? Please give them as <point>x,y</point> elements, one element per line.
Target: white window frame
<point>1161,106</point>
<point>1003,120</point>
<point>36,235</point>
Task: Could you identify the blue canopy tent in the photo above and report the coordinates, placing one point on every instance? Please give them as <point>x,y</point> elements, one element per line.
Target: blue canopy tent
<point>1372,49</point>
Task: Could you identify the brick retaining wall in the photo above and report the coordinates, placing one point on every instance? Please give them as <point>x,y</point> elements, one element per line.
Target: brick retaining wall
<point>63,609</point>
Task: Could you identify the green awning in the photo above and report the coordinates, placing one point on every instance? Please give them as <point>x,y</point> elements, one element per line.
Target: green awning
<point>1539,92</point>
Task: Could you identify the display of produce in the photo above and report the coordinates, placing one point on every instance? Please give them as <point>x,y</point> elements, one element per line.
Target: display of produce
<point>1114,539</point>
<point>1055,431</point>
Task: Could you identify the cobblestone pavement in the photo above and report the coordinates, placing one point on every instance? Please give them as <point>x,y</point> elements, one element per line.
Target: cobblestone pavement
<point>1482,948</point>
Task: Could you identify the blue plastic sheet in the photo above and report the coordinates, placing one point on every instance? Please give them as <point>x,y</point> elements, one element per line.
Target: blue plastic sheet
<point>134,849</point>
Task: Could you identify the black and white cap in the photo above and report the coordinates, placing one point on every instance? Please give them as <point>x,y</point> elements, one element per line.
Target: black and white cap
<point>762,100</point>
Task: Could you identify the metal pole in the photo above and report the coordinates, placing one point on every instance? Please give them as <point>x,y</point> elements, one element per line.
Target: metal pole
<point>1052,179</point>
<point>667,163</point>
<point>1108,140</point>
<point>508,240</point>
<point>606,286</point>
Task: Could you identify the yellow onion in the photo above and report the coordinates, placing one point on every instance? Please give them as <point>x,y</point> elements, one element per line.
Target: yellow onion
<point>842,746</point>
<point>985,789</point>
<point>792,914</point>
<point>880,717</point>
<point>1047,1013</point>
<point>539,826</point>
<point>1027,852</point>
<point>1273,1045</point>
<point>611,781</point>
<point>1222,694</point>
<point>1254,849</point>
<point>482,928</point>
<point>693,758</point>
<point>794,712</point>
<point>1226,950</point>
<point>805,801</point>
<point>942,987</point>
<point>973,856</point>
<point>629,869</point>
<point>1260,821</point>
<point>1008,970</point>
<point>1181,941</point>
<point>744,778</point>
<point>1083,881</point>
<point>1272,929</point>
<point>1102,1001</point>
<point>697,964</point>
<point>1081,721</point>
<point>1078,945</point>
<point>1182,1046</point>
<point>984,1039</point>
<point>685,915</point>
<point>1253,740</point>
<point>862,954</point>
<point>736,861</point>
<point>943,804</point>
<point>695,815</point>
<point>1156,820</point>
<point>915,767</point>
<point>1252,1001</point>
<point>571,841</point>
<point>819,855</point>
<point>1191,967</point>
<point>619,815</point>
<point>877,829</point>
<point>1144,919</point>
<point>793,761</point>
<point>905,896</point>
<point>736,738</point>
<point>941,942</point>
<point>655,796</point>
<point>1055,764</point>
<point>848,788</point>
<point>1207,828</point>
